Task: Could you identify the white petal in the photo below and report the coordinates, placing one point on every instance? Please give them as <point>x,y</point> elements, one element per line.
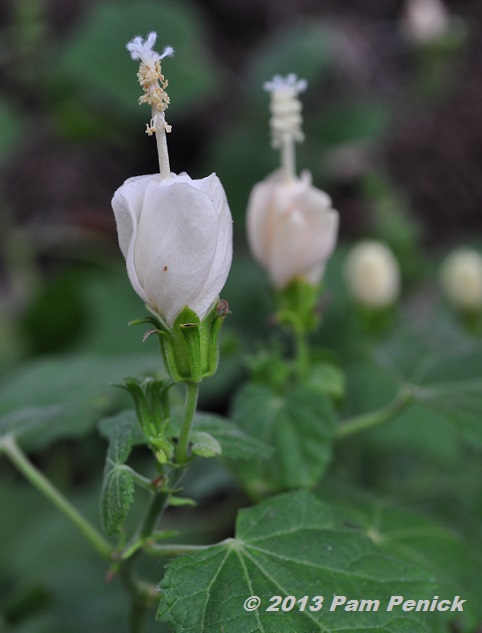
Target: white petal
<point>258,220</point>
<point>223,255</point>
<point>288,243</point>
<point>175,245</point>
<point>127,205</point>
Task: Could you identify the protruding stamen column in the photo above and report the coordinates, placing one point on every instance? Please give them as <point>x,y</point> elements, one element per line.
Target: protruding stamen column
<point>286,119</point>
<point>154,85</point>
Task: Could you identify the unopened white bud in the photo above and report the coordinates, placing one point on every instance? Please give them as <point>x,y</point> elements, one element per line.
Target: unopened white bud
<point>461,279</point>
<point>292,228</point>
<point>425,21</point>
<point>372,274</point>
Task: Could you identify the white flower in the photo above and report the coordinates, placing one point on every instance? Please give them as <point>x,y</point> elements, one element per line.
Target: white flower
<point>292,228</point>
<point>425,21</point>
<point>372,274</point>
<point>176,236</point>
<point>461,279</point>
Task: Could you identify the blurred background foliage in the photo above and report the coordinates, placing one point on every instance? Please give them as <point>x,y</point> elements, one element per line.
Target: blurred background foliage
<point>393,133</point>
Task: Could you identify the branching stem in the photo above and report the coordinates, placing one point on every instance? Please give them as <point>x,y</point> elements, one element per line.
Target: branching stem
<point>375,418</point>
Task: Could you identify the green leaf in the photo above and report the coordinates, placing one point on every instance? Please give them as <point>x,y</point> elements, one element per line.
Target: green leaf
<point>453,560</point>
<point>447,387</point>
<point>205,445</point>
<point>289,546</point>
<point>62,397</point>
<point>117,492</point>
<point>306,46</point>
<point>11,125</point>
<point>234,443</point>
<point>298,424</point>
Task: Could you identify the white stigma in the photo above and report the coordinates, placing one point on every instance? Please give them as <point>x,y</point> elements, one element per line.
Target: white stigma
<point>143,49</point>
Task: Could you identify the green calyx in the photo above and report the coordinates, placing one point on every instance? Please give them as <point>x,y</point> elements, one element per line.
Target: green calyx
<point>190,347</point>
<point>298,306</point>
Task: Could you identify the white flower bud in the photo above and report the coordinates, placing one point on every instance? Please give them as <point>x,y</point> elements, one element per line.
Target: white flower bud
<point>292,228</point>
<point>425,21</point>
<point>176,237</point>
<point>461,279</point>
<point>372,274</point>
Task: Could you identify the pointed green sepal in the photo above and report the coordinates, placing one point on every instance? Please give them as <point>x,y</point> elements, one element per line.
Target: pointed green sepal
<point>190,347</point>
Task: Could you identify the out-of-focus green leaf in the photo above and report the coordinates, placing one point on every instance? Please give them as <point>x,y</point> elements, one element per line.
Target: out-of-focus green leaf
<point>290,546</point>
<point>95,57</point>
<point>304,47</point>
<point>297,423</point>
<point>11,127</point>
<point>42,552</point>
<point>234,442</point>
<point>55,398</point>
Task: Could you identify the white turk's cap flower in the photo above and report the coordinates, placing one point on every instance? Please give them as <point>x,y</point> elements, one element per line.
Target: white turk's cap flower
<point>372,274</point>
<point>461,279</point>
<point>176,237</point>
<point>425,21</point>
<point>292,228</point>
<point>174,232</point>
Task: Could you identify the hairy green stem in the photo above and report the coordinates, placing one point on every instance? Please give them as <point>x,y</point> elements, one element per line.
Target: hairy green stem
<point>9,446</point>
<point>182,450</point>
<point>375,418</point>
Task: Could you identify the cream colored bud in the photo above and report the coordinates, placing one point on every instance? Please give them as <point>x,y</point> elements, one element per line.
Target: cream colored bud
<point>425,21</point>
<point>461,279</point>
<point>372,274</point>
<point>292,228</point>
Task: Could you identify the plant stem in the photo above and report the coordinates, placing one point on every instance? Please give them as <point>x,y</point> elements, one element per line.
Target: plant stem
<point>9,446</point>
<point>142,597</point>
<point>374,418</point>
<point>137,618</point>
<point>182,451</point>
<point>302,354</point>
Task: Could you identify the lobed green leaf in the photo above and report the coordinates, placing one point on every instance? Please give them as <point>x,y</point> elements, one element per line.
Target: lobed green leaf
<point>289,546</point>
<point>298,424</point>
